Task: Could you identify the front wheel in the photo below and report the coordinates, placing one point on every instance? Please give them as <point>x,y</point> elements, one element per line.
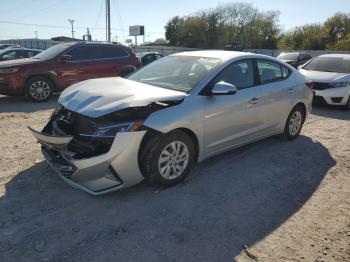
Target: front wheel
<point>294,123</point>
<point>38,89</point>
<point>168,161</point>
<point>347,106</point>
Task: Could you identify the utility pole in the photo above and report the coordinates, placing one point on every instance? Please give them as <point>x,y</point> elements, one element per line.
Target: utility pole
<point>108,21</point>
<point>71,21</point>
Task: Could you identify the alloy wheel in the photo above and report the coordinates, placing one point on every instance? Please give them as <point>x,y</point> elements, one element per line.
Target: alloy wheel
<point>173,160</point>
<point>40,90</point>
<point>295,123</point>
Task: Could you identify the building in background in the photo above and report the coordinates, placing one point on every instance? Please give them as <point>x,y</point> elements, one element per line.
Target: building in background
<point>40,43</point>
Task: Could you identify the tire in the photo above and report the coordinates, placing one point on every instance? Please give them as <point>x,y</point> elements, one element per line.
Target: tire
<point>347,106</point>
<point>294,123</point>
<point>38,89</point>
<point>125,73</point>
<point>174,170</point>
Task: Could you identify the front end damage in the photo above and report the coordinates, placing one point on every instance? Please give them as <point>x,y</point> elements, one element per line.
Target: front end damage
<point>98,155</point>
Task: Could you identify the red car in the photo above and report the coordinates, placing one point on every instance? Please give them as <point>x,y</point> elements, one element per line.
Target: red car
<point>63,65</point>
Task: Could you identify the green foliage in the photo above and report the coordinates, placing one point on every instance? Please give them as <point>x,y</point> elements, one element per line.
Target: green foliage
<point>242,23</point>
<point>332,34</point>
<point>160,41</point>
<point>227,24</point>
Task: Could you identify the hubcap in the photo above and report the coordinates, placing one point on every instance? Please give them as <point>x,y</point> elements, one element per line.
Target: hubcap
<point>39,90</point>
<point>295,123</point>
<point>173,160</point>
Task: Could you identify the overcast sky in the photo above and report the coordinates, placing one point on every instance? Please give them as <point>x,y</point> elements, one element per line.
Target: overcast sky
<point>21,18</point>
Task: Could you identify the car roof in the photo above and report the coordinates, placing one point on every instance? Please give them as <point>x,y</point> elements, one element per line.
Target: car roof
<point>148,53</point>
<point>221,54</point>
<point>336,55</point>
<point>296,53</point>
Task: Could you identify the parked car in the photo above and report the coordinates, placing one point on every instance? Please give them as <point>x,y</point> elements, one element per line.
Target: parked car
<point>295,59</point>
<point>63,65</point>
<point>17,53</point>
<point>331,78</point>
<point>111,133</point>
<point>149,57</point>
<point>3,46</point>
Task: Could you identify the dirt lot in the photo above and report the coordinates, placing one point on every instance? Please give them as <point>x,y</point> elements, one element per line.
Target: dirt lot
<point>287,201</point>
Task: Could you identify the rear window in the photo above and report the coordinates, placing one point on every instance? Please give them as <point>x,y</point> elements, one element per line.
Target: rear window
<point>270,71</point>
<point>329,64</point>
<point>112,52</point>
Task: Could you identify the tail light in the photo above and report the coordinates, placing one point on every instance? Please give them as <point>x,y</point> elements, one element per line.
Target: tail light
<point>310,84</point>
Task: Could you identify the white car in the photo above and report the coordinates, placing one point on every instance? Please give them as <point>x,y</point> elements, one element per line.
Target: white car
<point>330,75</point>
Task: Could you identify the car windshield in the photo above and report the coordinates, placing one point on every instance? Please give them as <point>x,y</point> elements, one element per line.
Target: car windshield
<point>329,64</point>
<point>179,73</point>
<point>52,52</point>
<point>288,56</point>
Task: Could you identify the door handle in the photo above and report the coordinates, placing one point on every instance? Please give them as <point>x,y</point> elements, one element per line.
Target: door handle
<point>290,90</point>
<point>253,101</point>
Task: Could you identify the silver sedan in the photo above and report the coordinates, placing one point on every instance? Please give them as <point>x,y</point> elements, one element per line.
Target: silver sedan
<point>111,133</point>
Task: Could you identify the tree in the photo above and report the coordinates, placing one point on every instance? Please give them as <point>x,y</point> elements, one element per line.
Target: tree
<point>226,24</point>
<point>160,41</point>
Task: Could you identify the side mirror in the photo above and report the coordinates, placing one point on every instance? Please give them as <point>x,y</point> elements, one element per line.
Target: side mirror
<point>65,58</point>
<point>223,88</point>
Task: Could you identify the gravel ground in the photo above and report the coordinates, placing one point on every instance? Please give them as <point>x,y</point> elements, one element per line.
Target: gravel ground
<point>286,201</point>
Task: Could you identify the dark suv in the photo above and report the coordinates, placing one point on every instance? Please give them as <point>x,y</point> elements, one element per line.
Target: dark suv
<point>63,65</point>
<point>295,59</point>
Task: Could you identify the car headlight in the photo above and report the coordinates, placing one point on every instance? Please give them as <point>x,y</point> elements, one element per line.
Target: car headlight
<point>9,70</point>
<point>341,84</point>
<point>111,131</point>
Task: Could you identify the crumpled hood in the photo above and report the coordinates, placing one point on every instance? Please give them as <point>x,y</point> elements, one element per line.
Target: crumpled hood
<point>324,77</point>
<point>98,97</point>
<point>18,62</point>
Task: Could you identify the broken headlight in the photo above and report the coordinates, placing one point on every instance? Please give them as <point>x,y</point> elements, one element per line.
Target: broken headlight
<point>110,131</point>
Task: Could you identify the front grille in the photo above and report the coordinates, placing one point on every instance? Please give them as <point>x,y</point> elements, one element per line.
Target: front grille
<point>321,86</point>
<point>58,162</point>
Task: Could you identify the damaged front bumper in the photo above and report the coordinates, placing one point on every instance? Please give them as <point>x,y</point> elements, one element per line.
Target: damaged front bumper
<point>97,175</point>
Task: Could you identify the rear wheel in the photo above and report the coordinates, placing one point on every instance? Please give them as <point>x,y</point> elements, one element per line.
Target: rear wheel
<point>169,160</point>
<point>38,89</point>
<point>294,123</point>
<point>347,106</point>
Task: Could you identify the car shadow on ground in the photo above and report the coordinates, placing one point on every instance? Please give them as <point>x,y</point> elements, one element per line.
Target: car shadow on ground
<point>228,201</point>
<point>18,104</point>
<point>331,112</point>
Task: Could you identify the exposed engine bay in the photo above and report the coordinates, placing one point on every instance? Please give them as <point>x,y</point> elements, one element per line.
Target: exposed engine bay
<point>94,136</point>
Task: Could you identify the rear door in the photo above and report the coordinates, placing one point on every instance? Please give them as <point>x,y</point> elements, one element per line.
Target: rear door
<point>112,61</point>
<point>278,92</point>
<point>233,119</point>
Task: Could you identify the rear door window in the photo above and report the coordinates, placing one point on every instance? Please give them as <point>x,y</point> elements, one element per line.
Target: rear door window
<point>107,52</point>
<point>270,71</point>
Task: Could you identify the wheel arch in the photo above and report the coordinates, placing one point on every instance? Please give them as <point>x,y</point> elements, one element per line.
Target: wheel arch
<point>153,135</point>
<point>303,107</point>
<point>48,76</point>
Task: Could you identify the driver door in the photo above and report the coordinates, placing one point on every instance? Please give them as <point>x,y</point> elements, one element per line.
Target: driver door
<point>233,119</point>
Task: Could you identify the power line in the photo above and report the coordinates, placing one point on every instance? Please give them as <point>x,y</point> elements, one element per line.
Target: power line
<point>98,17</point>
<point>43,9</point>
